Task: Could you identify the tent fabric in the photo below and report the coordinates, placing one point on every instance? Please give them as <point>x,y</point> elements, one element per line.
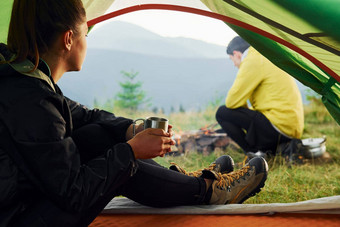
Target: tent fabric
<point>5,12</point>
<point>282,23</point>
<point>325,205</point>
<point>96,8</point>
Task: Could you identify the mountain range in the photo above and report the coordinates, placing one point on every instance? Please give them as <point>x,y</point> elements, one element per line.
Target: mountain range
<point>174,71</point>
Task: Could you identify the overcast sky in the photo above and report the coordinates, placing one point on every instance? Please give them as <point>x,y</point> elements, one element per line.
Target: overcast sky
<point>178,24</point>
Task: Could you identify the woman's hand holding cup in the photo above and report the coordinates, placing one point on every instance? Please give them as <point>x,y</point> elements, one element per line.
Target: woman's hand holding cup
<point>151,143</point>
<point>152,138</point>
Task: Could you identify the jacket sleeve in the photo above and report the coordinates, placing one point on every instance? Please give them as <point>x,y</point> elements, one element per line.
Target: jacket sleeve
<point>38,129</point>
<point>81,116</point>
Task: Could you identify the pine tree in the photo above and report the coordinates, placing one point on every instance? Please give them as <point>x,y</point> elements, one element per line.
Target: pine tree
<point>132,95</point>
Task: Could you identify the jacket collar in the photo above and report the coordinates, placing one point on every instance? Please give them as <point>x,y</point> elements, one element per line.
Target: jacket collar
<point>42,72</point>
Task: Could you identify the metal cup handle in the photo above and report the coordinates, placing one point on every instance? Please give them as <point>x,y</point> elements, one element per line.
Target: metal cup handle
<point>134,125</point>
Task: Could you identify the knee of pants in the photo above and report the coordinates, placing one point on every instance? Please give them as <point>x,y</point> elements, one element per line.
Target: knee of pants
<point>222,113</point>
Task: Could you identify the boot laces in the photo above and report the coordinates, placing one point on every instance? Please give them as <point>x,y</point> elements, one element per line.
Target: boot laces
<point>225,181</point>
<point>196,173</point>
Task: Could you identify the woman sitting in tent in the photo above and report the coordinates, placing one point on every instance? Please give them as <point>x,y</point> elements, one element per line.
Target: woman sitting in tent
<point>61,163</point>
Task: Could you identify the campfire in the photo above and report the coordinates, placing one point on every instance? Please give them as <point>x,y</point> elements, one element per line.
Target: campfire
<point>205,140</point>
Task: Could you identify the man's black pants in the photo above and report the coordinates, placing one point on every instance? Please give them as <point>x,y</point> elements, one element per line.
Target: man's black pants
<point>250,129</point>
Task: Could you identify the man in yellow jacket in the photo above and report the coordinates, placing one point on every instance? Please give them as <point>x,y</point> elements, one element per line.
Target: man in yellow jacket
<point>263,108</point>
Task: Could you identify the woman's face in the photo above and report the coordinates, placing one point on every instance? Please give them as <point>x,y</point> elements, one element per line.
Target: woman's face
<point>78,50</point>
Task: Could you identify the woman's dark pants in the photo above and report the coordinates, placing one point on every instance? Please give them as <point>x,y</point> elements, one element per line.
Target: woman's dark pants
<point>152,185</point>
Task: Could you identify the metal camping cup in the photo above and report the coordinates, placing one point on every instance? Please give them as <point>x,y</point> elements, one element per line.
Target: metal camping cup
<point>152,122</point>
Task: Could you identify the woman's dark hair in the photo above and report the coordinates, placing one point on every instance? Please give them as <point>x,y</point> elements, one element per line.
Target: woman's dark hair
<point>35,24</point>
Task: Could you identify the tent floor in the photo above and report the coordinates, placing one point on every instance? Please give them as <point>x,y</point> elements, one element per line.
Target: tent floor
<point>278,219</point>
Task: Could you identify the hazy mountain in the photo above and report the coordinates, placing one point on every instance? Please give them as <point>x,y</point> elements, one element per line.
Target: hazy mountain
<point>127,37</point>
<point>170,82</point>
<point>174,71</point>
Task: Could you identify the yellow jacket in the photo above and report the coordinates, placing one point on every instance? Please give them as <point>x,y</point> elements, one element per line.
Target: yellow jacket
<point>270,91</point>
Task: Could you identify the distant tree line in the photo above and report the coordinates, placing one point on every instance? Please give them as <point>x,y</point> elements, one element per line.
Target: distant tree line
<point>132,97</point>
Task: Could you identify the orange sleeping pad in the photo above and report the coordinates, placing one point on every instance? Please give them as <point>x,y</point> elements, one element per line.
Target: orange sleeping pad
<point>278,219</point>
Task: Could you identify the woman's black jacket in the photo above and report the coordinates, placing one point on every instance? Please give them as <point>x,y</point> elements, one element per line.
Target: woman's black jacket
<point>38,156</point>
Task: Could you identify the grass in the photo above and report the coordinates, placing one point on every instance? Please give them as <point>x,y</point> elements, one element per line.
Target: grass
<point>284,183</point>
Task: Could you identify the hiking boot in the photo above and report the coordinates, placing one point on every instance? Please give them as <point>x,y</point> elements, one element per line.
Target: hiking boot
<point>223,164</point>
<point>237,186</point>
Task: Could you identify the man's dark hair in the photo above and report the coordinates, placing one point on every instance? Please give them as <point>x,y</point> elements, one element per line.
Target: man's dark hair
<point>237,44</point>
